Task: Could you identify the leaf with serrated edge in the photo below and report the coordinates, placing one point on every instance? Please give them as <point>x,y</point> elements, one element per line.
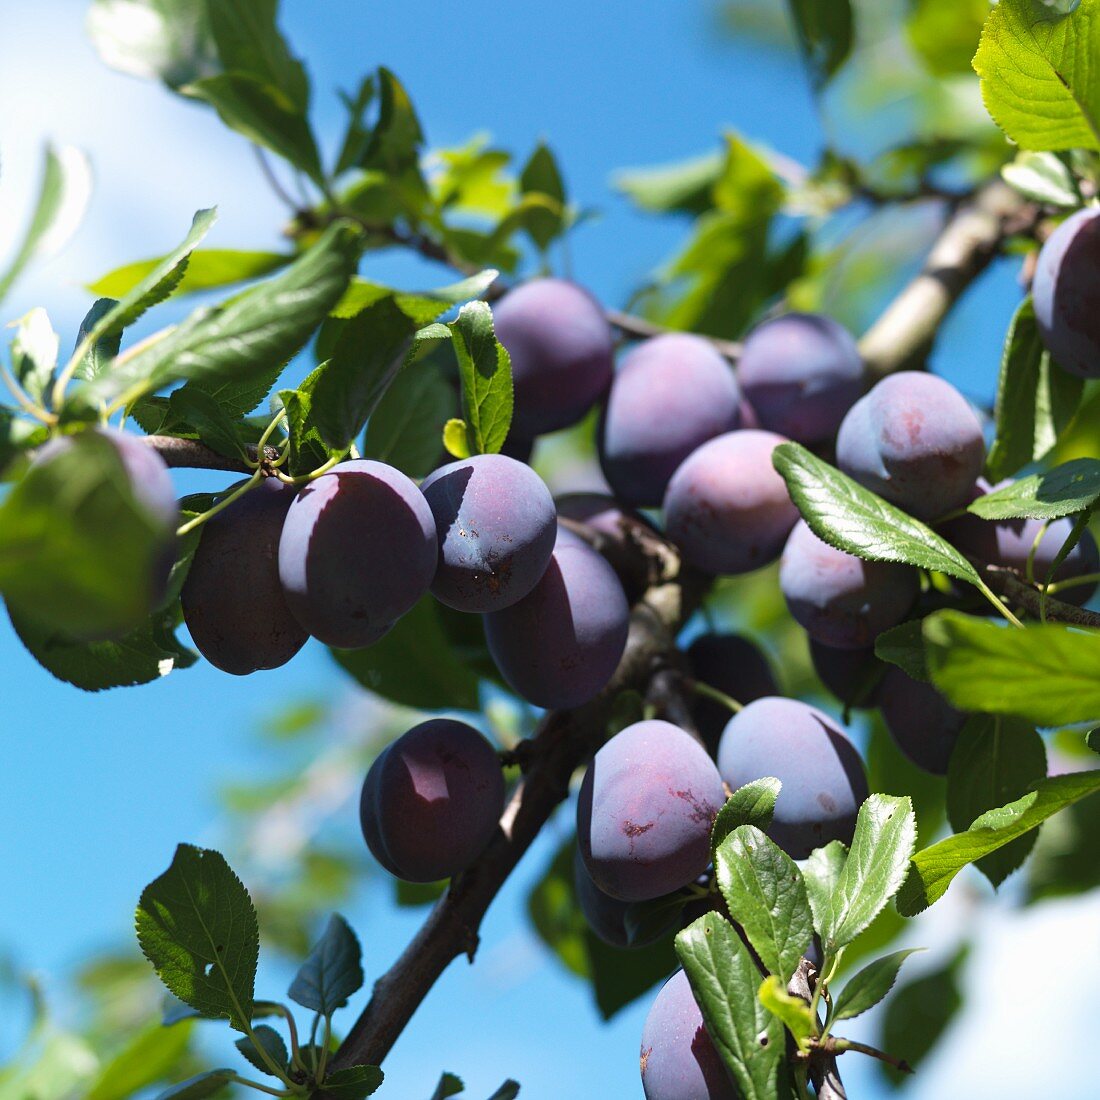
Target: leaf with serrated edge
<point>724,980</point>
<point>820,873</point>
<point>1041,177</point>
<point>1063,491</point>
<point>1038,78</point>
<point>486,373</point>
<point>851,518</point>
<point>885,834</point>
<point>352,1083</point>
<point>269,1040</point>
<point>449,1085</point>
<point>904,646</point>
<point>932,870</point>
<point>866,988</point>
<point>198,1087</point>
<point>752,804</point>
<point>994,761</point>
<point>1043,672</point>
<point>196,924</point>
<point>765,893</point>
<point>794,1012</point>
<point>508,1091</point>
<point>332,972</point>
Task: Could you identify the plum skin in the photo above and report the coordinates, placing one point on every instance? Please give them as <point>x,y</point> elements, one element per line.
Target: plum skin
<point>679,1060</point>
<point>561,348</point>
<point>734,665</point>
<point>645,810</point>
<point>915,441</point>
<point>496,525</point>
<point>801,373</point>
<point>358,550</point>
<point>922,723</point>
<point>670,395</point>
<point>559,645</point>
<point>822,775</point>
<point>850,674</point>
<point>431,801</point>
<point>1066,288</point>
<point>839,599</point>
<point>726,508</point>
<point>233,601</point>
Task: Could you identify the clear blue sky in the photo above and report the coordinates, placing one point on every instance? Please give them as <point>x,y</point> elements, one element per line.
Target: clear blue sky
<point>95,791</point>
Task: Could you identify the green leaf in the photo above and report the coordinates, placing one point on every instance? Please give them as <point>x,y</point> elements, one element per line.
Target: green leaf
<point>151,1056</point>
<point>197,926</point>
<point>541,176</point>
<point>332,973</point>
<point>73,538</point>
<point>995,761</point>
<point>17,435</point>
<point>423,306</point>
<point>415,664</point>
<point>752,804</point>
<point>919,1012</point>
<point>260,112</point>
<point>249,41</point>
<point>793,1012</point>
<point>883,842</point>
<point>271,1042</point>
<point>725,982</point>
<point>1045,673</point>
<point>207,269</point>
<point>847,516</point>
<point>1038,78</point>
<point>449,1085</point>
<point>456,438</point>
<point>486,373</point>
<point>253,334</point>
<point>946,35</point>
<point>685,187</point>
<point>932,870</point>
<point>62,199</point>
<point>167,40</point>
<point>821,873</point>
<point>352,1083</point>
<point>157,284</point>
<point>96,360</point>
<point>404,429</point>
<point>194,407</point>
<point>1035,400</point>
<point>367,356</point>
<point>765,893</point>
<point>141,656</point>
<point>199,1087</point>
<point>865,989</point>
<point>1063,491</point>
<point>825,33</point>
<point>508,1091</point>
<point>904,646</point>
<point>1042,178</point>
<point>357,135</point>
<point>34,353</point>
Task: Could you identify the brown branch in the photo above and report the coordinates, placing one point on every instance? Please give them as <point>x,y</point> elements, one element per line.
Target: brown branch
<point>973,236</point>
<point>563,742</point>
<point>191,454</point>
<point>823,1069</point>
<point>1006,583</point>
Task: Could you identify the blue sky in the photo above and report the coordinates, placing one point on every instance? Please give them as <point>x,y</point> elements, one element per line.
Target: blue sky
<point>95,791</point>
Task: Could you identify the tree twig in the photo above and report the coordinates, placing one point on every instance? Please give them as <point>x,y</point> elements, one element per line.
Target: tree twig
<point>974,234</point>
<point>564,741</point>
<point>1006,583</point>
<point>193,455</point>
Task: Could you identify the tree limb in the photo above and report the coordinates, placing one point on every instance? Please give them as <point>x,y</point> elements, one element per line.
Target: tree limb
<point>193,455</point>
<point>563,742</point>
<point>1005,582</point>
<point>973,236</point>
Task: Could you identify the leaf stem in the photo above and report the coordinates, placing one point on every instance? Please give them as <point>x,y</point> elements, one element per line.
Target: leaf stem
<point>987,592</point>
<point>30,407</point>
<point>237,1079</point>
<point>240,491</point>
<point>839,1046</point>
<point>292,1028</point>
<point>1072,582</point>
<point>709,692</point>
<point>326,1039</point>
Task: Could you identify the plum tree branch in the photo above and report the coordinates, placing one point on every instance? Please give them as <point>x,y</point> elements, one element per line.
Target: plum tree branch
<point>562,743</point>
<point>1007,584</point>
<point>973,236</point>
<point>193,455</point>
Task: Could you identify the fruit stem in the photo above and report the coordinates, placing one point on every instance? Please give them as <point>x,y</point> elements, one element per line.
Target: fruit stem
<point>240,491</point>
<point>709,692</point>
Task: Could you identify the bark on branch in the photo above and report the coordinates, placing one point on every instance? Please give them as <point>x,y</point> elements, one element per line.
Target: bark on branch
<point>563,742</point>
<point>973,236</point>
